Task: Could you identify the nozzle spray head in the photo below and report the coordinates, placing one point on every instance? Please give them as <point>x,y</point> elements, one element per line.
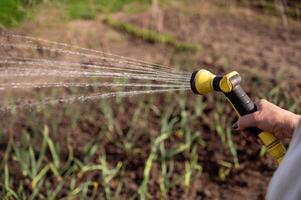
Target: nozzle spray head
<point>201,82</point>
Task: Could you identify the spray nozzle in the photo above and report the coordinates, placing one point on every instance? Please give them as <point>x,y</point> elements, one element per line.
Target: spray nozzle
<point>203,82</point>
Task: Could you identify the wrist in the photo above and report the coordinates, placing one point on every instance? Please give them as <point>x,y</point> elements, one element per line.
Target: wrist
<point>292,121</point>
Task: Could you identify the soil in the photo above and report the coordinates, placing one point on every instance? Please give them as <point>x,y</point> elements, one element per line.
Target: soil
<point>231,38</point>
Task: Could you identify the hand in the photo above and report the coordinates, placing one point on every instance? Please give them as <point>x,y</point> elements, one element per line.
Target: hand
<point>270,118</point>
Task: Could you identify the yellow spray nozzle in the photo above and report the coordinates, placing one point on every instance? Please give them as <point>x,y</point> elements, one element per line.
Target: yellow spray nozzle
<point>203,82</point>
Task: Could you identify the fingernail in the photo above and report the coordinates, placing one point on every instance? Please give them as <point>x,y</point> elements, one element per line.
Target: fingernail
<point>235,126</point>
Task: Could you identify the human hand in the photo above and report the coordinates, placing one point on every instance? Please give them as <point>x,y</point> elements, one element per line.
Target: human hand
<point>270,118</point>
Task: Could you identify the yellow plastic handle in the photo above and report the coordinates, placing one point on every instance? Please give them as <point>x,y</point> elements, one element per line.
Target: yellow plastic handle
<point>274,146</point>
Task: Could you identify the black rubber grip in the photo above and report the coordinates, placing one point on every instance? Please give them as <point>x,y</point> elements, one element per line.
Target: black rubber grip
<point>243,104</point>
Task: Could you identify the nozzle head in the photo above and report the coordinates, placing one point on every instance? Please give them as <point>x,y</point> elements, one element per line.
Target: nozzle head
<point>192,82</point>
<point>201,82</point>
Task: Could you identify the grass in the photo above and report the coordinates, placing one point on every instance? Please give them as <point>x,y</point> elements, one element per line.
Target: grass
<point>151,36</point>
<point>13,12</point>
<point>79,9</point>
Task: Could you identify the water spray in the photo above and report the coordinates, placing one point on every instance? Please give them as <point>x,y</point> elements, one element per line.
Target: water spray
<point>203,82</point>
<point>101,70</point>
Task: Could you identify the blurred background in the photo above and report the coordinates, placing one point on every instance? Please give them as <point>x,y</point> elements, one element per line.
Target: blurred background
<point>161,146</point>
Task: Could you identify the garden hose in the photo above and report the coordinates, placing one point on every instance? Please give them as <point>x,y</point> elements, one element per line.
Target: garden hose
<point>203,82</point>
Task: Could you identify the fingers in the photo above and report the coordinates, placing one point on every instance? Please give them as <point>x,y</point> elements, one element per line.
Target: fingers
<point>250,136</point>
<point>280,135</point>
<point>247,121</point>
<point>254,119</point>
<point>251,120</point>
<point>261,104</point>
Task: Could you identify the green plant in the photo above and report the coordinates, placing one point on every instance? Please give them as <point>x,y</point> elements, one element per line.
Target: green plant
<point>151,36</point>
<point>12,12</point>
<point>81,9</point>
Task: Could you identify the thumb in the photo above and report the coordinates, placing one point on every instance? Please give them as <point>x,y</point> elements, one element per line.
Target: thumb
<point>246,121</point>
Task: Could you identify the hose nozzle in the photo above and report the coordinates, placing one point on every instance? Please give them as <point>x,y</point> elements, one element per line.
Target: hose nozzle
<point>203,82</point>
